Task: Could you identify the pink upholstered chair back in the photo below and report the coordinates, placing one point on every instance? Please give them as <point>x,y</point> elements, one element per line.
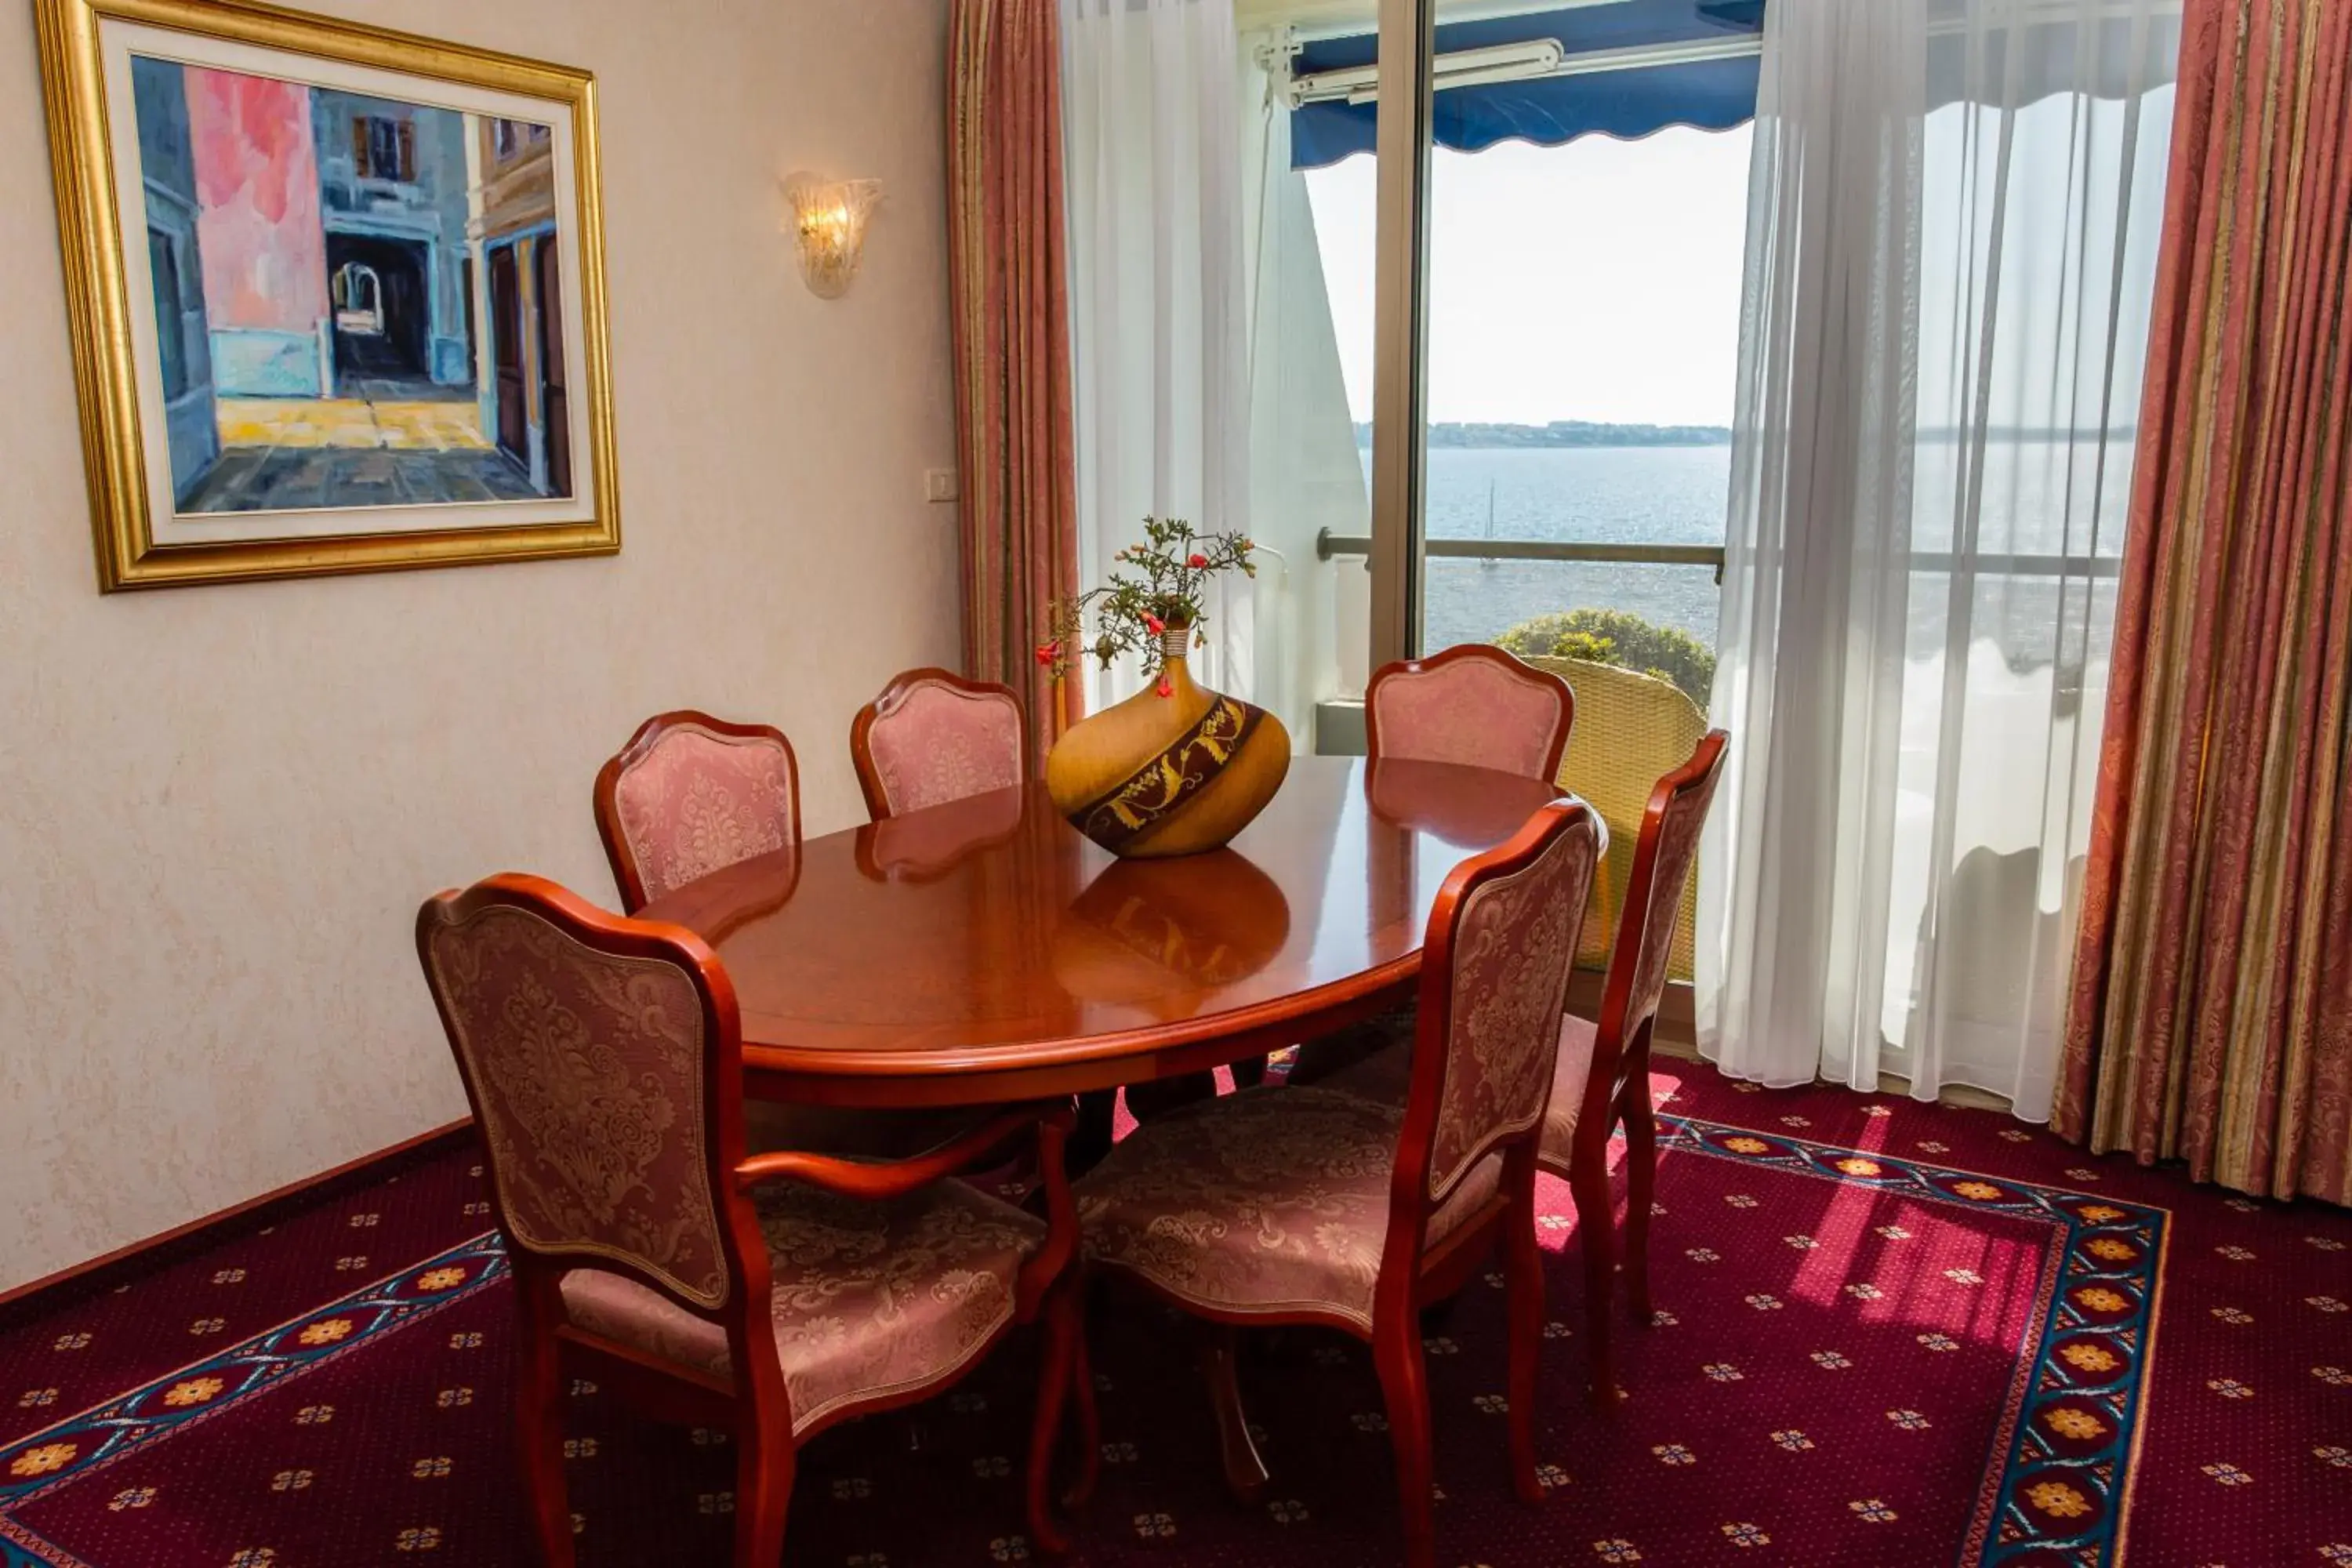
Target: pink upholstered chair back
<point>1496,963</point>
<point>1474,705</point>
<point>932,737</point>
<point>1668,848</point>
<point>602,1058</point>
<point>690,795</point>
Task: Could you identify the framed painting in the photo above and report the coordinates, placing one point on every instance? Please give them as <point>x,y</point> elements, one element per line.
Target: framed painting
<point>337,294</point>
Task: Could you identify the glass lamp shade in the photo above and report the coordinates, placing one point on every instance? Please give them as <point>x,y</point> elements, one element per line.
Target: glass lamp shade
<point>829,221</point>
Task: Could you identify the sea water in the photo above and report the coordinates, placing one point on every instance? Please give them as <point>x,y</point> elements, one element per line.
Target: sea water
<point>2045,497</point>
<point>1616,495</point>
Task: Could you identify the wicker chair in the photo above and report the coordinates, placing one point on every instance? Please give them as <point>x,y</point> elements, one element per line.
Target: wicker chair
<point>1630,729</point>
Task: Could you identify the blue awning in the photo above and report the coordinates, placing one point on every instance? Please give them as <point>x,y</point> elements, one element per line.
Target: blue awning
<point>1712,95</point>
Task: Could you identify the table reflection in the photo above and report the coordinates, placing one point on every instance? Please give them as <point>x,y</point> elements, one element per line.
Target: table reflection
<point>986,948</point>
<point>1431,798</point>
<point>1156,933</point>
<point>923,846</point>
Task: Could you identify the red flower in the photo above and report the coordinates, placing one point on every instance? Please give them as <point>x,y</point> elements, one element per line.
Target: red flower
<point>1196,560</point>
<point>1165,689</point>
<point>1154,625</point>
<point>1047,652</point>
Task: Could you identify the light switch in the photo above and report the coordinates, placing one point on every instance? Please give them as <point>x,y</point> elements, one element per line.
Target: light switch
<point>939,484</point>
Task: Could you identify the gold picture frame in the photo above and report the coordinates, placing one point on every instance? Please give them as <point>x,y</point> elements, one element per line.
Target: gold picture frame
<point>440,395</point>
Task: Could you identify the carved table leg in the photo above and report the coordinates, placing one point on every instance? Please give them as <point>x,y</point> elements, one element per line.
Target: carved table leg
<point>1245,1472</point>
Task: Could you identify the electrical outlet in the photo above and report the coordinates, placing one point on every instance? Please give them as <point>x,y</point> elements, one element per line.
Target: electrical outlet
<point>939,484</point>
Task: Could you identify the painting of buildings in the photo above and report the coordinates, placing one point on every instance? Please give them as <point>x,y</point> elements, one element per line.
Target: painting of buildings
<point>356,299</point>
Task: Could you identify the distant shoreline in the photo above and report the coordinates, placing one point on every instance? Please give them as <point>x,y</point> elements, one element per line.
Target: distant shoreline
<point>1579,433</point>
<point>1566,433</point>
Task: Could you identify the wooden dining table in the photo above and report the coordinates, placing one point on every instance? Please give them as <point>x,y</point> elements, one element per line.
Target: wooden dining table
<point>983,951</point>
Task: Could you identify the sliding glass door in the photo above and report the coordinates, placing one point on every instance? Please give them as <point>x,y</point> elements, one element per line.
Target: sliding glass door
<point>1561,209</point>
<point>1442,302</point>
<point>1587,196</point>
<point>1433,299</point>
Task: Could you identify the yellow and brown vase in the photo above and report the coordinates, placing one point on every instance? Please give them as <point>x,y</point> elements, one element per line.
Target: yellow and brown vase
<point>1170,774</point>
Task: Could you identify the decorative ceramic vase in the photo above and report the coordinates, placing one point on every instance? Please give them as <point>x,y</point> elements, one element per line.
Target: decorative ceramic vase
<point>1170,775</point>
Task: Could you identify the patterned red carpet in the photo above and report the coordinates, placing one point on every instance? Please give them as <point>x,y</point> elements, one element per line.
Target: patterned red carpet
<point>1892,1336</point>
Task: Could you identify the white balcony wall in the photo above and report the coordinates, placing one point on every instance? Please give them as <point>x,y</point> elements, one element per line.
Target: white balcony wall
<point>1305,473</point>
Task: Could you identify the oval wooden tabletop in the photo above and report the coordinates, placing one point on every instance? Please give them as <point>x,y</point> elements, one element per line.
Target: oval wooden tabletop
<point>984,950</point>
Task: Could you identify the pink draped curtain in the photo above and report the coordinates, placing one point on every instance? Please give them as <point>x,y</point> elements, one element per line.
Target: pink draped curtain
<point>1008,275</point>
<point>2210,1018</point>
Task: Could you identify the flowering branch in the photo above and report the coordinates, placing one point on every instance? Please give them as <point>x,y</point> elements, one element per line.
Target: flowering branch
<point>1155,587</point>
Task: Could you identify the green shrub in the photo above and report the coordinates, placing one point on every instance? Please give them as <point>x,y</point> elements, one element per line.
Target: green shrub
<point>1618,637</point>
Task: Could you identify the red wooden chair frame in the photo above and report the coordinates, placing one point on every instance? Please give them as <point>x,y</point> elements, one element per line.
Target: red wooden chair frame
<point>1324,1057</point>
<point>861,752</point>
<point>648,736</point>
<point>1617,1088</point>
<point>754,1402</point>
<point>1413,1274</point>
<point>1487,653</point>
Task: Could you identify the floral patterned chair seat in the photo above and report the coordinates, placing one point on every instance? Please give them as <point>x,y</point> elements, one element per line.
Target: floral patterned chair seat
<point>1383,1076</point>
<point>1271,1200</point>
<point>869,1298</point>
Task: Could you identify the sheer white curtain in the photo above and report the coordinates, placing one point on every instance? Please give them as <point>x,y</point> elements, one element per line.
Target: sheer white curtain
<point>1953,223</point>
<point>1157,298</point>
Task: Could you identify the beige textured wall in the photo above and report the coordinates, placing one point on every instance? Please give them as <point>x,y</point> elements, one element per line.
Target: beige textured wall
<point>220,808</point>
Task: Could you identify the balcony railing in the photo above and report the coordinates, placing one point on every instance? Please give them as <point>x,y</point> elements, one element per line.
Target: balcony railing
<point>1631,729</point>
<point>1330,545</point>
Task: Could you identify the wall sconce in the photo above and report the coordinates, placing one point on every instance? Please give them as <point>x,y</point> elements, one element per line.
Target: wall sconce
<point>829,217</point>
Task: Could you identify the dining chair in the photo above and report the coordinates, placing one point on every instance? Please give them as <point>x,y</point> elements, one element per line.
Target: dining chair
<point>1313,1207</point>
<point>933,737</point>
<point>1603,1074</point>
<point>777,1294</point>
<point>690,795</point>
<point>1474,704</point>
